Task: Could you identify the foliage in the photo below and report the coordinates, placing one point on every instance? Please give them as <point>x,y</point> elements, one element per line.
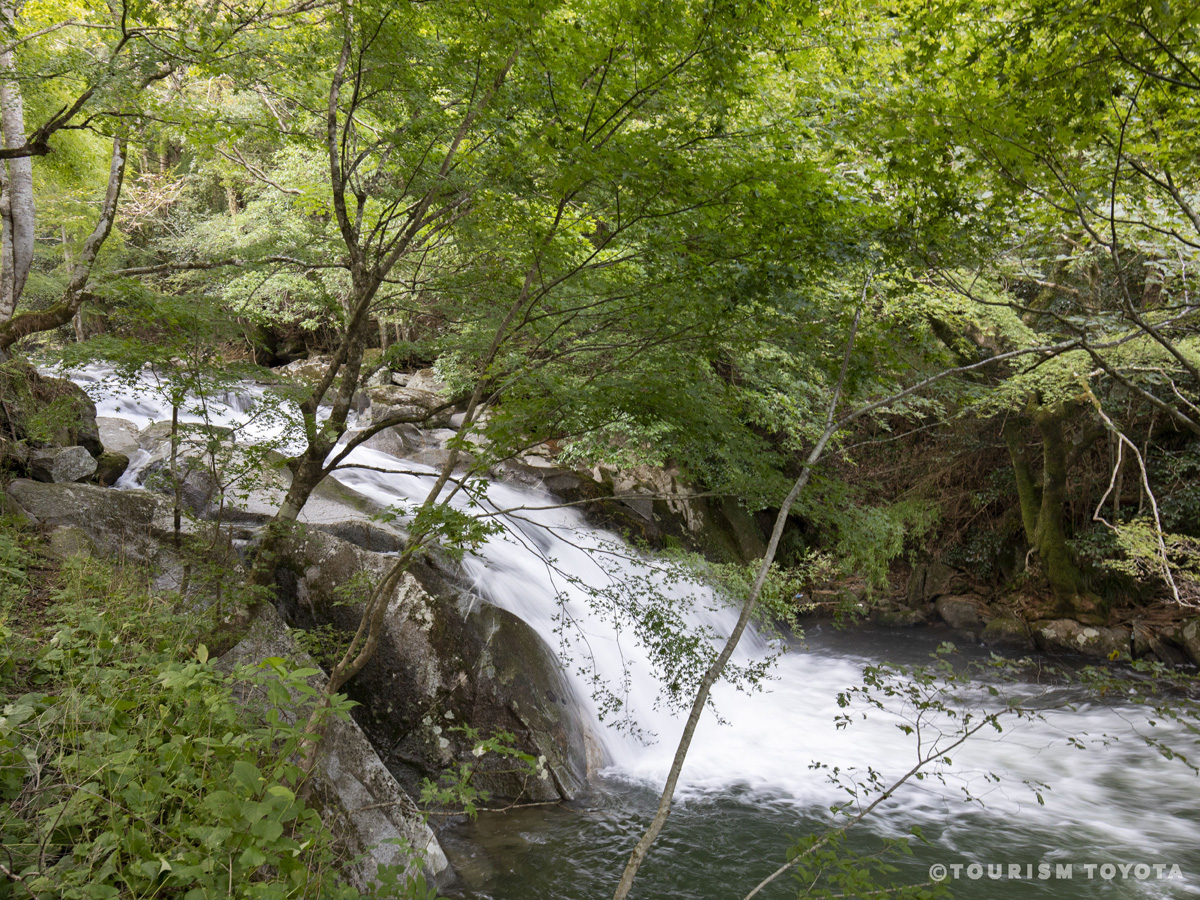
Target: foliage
<point>865,538</point>
<point>825,868</point>
<point>452,793</point>
<point>130,770</point>
<point>778,605</point>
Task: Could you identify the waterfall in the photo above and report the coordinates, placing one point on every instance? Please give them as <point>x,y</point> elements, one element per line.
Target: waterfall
<point>1107,796</point>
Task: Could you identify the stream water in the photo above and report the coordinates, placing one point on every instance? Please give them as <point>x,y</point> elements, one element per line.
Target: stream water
<point>1118,815</point>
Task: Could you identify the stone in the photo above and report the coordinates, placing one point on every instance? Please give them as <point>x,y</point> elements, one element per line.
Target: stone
<point>1007,632</point>
<point>409,403</point>
<point>9,508</point>
<point>364,535</point>
<point>359,800</point>
<point>154,435</point>
<point>252,503</point>
<point>1068,635</point>
<point>900,618</point>
<point>69,540</point>
<point>41,412</point>
<point>959,612</point>
<point>939,579</point>
<point>1189,637</point>
<point>426,380</point>
<point>118,435</point>
<point>310,369</point>
<point>110,466</point>
<point>1147,642</point>
<point>131,524</point>
<point>62,465</point>
<point>444,657</point>
<point>398,441</point>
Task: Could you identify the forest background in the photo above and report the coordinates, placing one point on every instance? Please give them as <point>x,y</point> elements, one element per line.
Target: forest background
<point>906,287</point>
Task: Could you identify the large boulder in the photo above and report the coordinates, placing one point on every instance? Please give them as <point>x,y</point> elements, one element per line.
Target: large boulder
<point>1150,641</point>
<point>130,524</point>
<point>960,612</point>
<point>311,369</point>
<point>414,403</point>
<point>1068,635</point>
<point>649,503</point>
<point>62,465</point>
<point>929,581</point>
<point>118,435</point>
<point>252,490</point>
<point>1189,637</point>
<point>370,814</point>
<point>1007,632</point>
<point>444,659</point>
<point>39,411</point>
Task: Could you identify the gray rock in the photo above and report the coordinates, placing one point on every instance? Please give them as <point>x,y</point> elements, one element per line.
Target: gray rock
<point>359,799</point>
<point>1147,642</point>
<point>1008,633</point>
<point>118,435</point>
<point>1189,637</point>
<point>109,467</point>
<point>408,403</point>
<point>39,411</point>
<point>381,377</point>
<point>444,658</point>
<point>126,523</point>
<point>252,502</point>
<point>1074,637</point>
<point>69,540</point>
<point>364,535</point>
<point>900,618</point>
<point>398,441</point>
<point>154,435</point>
<point>62,465</point>
<point>930,581</point>
<point>310,369</point>
<point>960,612</point>
<point>426,380</point>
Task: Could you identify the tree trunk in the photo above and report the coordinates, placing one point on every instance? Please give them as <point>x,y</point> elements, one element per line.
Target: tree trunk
<point>16,186</point>
<point>29,322</point>
<point>1043,505</point>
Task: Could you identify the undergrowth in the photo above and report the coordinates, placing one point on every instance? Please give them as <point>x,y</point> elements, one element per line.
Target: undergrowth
<point>127,768</point>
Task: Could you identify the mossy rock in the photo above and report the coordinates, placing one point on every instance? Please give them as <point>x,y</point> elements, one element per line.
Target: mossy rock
<point>109,467</point>
<point>38,411</point>
<point>1008,633</point>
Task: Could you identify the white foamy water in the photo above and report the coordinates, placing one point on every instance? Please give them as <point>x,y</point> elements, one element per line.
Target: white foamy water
<point>1115,797</point>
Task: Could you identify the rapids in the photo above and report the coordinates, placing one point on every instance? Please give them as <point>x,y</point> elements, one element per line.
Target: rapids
<point>749,780</point>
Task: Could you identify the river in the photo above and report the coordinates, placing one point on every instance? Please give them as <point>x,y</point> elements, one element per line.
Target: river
<point>1076,791</point>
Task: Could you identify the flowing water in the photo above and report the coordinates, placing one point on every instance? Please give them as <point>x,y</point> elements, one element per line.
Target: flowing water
<point>749,786</point>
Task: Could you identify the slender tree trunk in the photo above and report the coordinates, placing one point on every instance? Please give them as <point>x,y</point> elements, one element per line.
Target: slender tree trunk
<point>718,665</point>
<point>1050,537</point>
<point>33,321</point>
<point>16,186</point>
<point>1029,494</point>
<point>176,480</point>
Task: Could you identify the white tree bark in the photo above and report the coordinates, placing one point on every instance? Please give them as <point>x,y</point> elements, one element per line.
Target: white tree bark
<point>16,184</point>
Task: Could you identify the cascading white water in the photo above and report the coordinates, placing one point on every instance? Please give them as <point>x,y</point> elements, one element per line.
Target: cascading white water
<point>1112,800</point>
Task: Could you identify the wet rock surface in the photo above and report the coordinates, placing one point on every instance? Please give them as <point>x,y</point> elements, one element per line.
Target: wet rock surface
<point>445,659</point>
